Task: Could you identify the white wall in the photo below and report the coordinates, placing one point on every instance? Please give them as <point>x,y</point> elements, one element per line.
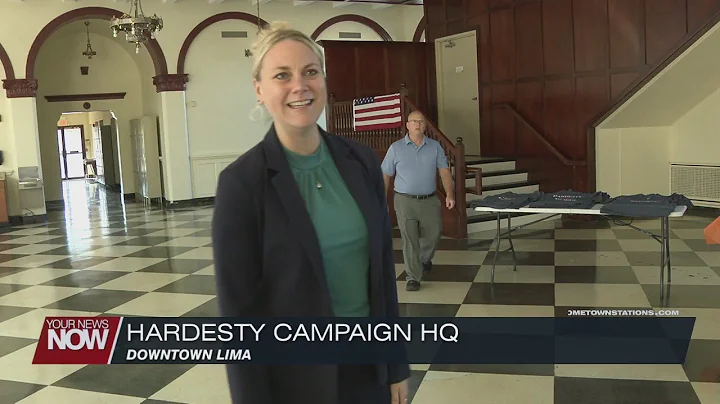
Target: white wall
<point>6,137</point>
<point>411,18</point>
<point>637,160</point>
<point>607,161</point>
<point>672,119</point>
<point>220,95</point>
<point>696,135</point>
<point>633,160</point>
<point>7,145</point>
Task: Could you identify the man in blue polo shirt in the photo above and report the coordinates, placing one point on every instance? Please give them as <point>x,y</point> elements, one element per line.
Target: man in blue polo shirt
<point>414,161</point>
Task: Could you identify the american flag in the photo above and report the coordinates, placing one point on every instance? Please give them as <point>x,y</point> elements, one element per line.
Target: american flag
<point>381,112</point>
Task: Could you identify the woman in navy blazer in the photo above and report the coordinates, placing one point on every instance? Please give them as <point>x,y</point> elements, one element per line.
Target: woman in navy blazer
<point>301,228</point>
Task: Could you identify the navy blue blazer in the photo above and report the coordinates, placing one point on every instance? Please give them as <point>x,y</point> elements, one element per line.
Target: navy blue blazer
<point>268,261</point>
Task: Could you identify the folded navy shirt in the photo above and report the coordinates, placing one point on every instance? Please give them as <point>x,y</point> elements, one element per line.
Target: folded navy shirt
<point>645,205</point>
<point>570,199</point>
<point>507,200</point>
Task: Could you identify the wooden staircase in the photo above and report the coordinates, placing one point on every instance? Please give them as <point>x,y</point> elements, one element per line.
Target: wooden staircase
<point>496,175</point>
<point>474,177</point>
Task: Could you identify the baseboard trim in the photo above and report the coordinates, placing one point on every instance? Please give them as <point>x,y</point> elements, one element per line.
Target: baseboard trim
<point>110,187</point>
<point>188,203</point>
<point>29,219</point>
<point>704,211</point>
<point>55,206</point>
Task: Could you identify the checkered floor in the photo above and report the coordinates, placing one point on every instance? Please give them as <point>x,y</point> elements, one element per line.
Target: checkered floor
<point>102,257</point>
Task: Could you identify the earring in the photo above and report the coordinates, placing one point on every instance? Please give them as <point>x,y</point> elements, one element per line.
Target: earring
<point>257,113</point>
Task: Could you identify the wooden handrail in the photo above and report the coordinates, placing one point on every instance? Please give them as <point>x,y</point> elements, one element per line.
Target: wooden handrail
<point>565,160</point>
<point>441,136</point>
<point>478,181</point>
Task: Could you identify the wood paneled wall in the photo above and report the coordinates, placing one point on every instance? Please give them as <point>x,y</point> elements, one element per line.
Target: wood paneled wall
<point>361,69</point>
<point>563,63</point>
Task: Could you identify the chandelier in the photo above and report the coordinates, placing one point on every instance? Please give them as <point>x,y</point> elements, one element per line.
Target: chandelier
<point>137,27</point>
<point>248,52</point>
<point>89,52</point>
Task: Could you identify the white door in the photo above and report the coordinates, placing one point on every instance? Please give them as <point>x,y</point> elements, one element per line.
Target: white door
<point>457,82</point>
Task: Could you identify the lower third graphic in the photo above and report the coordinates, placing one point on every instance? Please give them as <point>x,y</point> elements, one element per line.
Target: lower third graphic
<point>77,340</point>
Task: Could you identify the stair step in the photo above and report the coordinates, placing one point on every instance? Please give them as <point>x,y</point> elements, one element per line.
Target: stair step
<point>489,165</point>
<point>499,175</point>
<point>473,160</point>
<point>497,178</point>
<point>509,185</point>
<point>494,166</point>
<point>496,173</point>
<point>520,187</point>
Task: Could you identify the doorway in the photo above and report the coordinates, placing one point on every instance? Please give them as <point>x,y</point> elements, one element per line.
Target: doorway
<point>457,89</point>
<point>71,148</point>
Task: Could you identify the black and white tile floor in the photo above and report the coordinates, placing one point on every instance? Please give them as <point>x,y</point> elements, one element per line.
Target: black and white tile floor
<point>102,257</point>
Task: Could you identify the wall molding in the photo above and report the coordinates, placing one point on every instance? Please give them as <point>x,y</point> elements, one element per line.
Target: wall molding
<point>7,64</point>
<point>420,29</point>
<point>84,97</point>
<point>352,18</point>
<point>170,82</point>
<point>20,88</point>
<point>206,170</point>
<point>223,156</point>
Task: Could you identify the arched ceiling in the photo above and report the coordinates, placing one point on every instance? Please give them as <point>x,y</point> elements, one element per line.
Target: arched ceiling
<point>99,28</point>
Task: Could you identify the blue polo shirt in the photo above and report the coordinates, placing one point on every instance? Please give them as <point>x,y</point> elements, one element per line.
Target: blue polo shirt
<point>415,167</point>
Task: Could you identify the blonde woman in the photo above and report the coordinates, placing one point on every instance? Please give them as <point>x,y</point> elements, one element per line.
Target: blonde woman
<point>301,228</point>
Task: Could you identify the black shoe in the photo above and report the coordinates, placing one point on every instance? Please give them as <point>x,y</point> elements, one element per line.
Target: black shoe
<point>427,267</point>
<point>412,286</point>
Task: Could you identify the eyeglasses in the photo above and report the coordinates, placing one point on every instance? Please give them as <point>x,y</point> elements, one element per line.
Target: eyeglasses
<point>417,122</point>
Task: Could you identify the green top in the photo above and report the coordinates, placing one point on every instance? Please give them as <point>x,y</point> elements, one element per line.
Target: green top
<point>341,230</point>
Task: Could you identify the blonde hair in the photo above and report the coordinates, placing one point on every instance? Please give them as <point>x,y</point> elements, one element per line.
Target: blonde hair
<point>275,32</point>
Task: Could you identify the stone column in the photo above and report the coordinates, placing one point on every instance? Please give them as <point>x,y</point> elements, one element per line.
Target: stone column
<point>175,141</point>
<point>22,148</point>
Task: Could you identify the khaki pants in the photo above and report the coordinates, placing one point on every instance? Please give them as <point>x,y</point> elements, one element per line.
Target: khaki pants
<point>420,224</point>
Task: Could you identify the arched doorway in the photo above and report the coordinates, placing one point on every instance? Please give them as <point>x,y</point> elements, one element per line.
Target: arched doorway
<point>115,79</point>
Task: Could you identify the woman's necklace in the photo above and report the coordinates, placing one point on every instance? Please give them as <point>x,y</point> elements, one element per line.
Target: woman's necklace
<point>319,184</point>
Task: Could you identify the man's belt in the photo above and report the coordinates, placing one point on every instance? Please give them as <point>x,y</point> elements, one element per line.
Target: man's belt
<point>417,196</point>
